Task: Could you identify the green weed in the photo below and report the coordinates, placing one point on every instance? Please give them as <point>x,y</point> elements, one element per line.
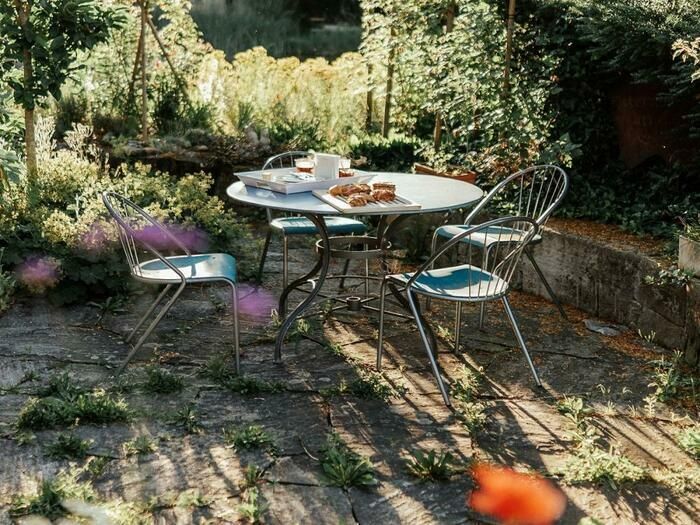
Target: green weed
<point>250,386</point>
<point>252,508</point>
<point>253,475</point>
<point>592,464</point>
<point>96,407</point>
<point>689,440</point>
<point>47,501</point>
<point>218,369</point>
<point>68,446</point>
<point>188,419</point>
<point>431,466</point>
<point>344,468</point>
<point>464,391</point>
<point>249,437</point>
<point>162,381</point>
<point>140,445</point>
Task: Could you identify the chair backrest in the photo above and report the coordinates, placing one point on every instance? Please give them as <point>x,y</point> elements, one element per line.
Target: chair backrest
<point>284,160</point>
<point>494,247</point>
<point>139,233</point>
<point>534,192</point>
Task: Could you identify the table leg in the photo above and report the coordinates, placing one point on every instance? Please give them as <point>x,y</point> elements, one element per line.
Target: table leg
<point>321,266</point>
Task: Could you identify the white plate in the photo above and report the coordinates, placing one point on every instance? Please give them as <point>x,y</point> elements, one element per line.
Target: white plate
<point>400,203</point>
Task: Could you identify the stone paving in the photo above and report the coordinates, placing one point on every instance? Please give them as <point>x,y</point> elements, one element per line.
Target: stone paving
<point>522,429</point>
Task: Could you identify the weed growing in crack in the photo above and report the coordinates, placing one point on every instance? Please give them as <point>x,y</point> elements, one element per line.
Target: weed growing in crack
<point>68,446</point>
<point>689,440</point>
<point>432,465</point>
<point>464,393</point>
<point>369,385</point>
<point>334,348</point>
<point>253,506</point>
<point>97,407</point>
<point>669,382</point>
<point>344,468</point>
<point>140,446</point>
<point>47,501</point>
<point>249,437</point>
<point>252,477</point>
<point>96,466</point>
<point>162,381</point>
<point>591,463</point>
<point>218,369</point>
<point>112,305</point>
<point>188,419</point>
<point>190,499</point>
<point>250,386</point>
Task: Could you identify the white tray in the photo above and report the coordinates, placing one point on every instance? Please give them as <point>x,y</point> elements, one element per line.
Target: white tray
<point>339,203</point>
<point>289,186</point>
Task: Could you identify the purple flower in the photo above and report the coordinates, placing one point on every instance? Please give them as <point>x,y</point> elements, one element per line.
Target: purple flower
<point>255,302</point>
<point>95,240</point>
<point>39,273</point>
<point>194,239</point>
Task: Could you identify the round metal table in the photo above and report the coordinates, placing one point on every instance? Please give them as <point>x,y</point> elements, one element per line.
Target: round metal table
<point>434,194</point>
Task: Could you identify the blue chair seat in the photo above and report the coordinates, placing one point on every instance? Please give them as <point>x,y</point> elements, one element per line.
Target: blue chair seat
<point>458,283</point>
<point>486,237</point>
<point>196,268</point>
<point>303,226</point>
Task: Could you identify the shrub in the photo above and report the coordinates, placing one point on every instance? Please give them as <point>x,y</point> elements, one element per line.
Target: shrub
<point>69,223</point>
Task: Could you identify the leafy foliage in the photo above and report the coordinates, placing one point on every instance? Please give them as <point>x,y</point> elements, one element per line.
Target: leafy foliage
<point>140,446</point>
<point>248,437</point>
<point>162,381</point>
<point>431,466</point>
<point>343,467</point>
<point>67,446</point>
<point>188,418</point>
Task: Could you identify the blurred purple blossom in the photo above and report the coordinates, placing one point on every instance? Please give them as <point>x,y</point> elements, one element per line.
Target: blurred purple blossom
<point>38,273</point>
<point>194,239</point>
<point>255,302</point>
<point>95,240</point>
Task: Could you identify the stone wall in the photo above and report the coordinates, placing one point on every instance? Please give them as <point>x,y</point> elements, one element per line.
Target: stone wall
<point>608,282</point>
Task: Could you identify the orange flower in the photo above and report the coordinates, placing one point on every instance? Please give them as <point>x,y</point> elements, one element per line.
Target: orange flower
<point>514,498</point>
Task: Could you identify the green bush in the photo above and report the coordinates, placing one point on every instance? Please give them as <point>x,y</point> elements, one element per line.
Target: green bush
<point>68,223</point>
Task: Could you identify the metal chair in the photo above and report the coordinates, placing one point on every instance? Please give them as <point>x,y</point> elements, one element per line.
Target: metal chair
<point>485,276</point>
<point>142,238</point>
<point>534,192</point>
<point>299,225</point>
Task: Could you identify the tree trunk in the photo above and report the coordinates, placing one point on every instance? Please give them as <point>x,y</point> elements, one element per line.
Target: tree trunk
<point>29,135</point>
<point>370,99</point>
<point>449,26</point>
<point>509,45</point>
<point>144,78</point>
<point>389,88</point>
<point>23,12</point>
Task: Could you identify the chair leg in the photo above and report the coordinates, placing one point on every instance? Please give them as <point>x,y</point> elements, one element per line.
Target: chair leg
<point>424,337</point>
<point>433,247</point>
<point>150,328</point>
<point>482,314</point>
<point>380,339</point>
<point>551,293</point>
<point>458,325</point>
<point>236,328</point>
<point>366,277</point>
<point>285,261</point>
<point>263,256</point>
<point>521,341</point>
<point>149,311</point>
<point>346,269</point>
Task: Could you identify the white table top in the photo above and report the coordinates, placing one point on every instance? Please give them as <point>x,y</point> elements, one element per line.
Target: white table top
<point>433,193</point>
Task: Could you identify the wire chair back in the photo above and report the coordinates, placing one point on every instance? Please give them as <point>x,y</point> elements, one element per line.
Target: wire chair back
<point>284,160</point>
<point>534,192</point>
<point>493,251</point>
<point>132,222</point>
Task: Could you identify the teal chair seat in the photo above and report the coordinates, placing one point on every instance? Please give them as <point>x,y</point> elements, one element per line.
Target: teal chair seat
<point>484,238</point>
<point>204,267</point>
<point>303,226</point>
<point>457,283</point>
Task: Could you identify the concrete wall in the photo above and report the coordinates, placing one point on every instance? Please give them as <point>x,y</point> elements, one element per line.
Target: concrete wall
<point>609,283</point>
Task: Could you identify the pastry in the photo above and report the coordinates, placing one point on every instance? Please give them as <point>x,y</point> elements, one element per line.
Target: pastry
<point>384,186</point>
<point>383,195</point>
<point>362,188</point>
<point>337,190</point>
<point>358,199</point>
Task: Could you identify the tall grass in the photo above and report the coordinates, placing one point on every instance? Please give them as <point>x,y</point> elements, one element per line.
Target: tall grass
<point>234,26</point>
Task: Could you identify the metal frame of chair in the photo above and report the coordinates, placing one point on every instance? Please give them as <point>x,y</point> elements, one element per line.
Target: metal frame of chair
<point>487,281</point>
<point>540,191</point>
<point>129,218</point>
<point>282,160</point>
